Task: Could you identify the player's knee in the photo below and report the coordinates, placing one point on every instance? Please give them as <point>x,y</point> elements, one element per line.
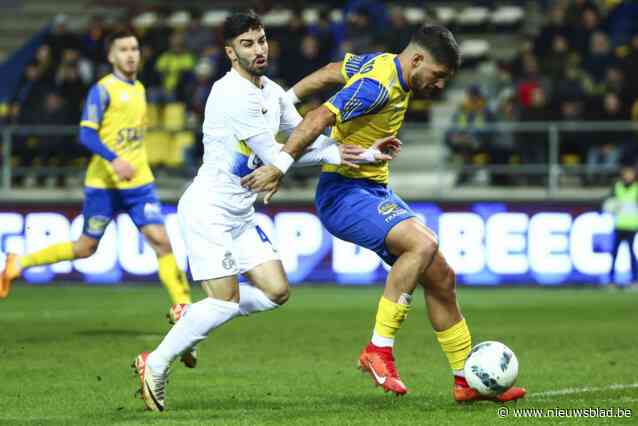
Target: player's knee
<point>84,248</point>
<point>426,250</point>
<point>279,294</point>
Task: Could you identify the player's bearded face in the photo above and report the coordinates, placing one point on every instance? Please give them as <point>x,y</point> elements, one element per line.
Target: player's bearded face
<point>251,51</point>
<point>125,55</point>
<point>428,78</point>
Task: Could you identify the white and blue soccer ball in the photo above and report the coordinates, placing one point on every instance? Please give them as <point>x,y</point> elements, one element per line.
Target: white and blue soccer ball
<point>491,368</point>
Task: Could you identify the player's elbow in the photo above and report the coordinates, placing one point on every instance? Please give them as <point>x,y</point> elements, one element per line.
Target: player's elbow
<point>321,117</point>
<point>332,73</point>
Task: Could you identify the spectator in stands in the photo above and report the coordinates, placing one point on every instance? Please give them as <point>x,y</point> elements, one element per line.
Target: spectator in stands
<point>533,144</point>
<point>600,56</point>
<point>45,63</point>
<point>575,10</point>
<point>550,30</point>
<point>148,74</point>
<point>467,135</point>
<point>197,37</point>
<point>33,88</point>
<point>193,92</point>
<point>325,31</point>
<point>555,60</point>
<point>574,143</point>
<point>93,40</point>
<point>604,154</point>
<point>69,83</point>
<point>157,36</point>
<point>621,20</point>
<point>172,64</point>
<point>630,66</point>
<point>615,82</point>
<point>290,38</point>
<point>576,84</point>
<point>581,33</point>
<point>503,143</point>
<point>360,35</point>
<point>399,31</point>
<point>531,80</point>
<point>275,65</point>
<point>61,38</point>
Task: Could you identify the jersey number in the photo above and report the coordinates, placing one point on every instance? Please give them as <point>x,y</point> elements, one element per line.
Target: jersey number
<point>262,235</point>
<point>367,67</point>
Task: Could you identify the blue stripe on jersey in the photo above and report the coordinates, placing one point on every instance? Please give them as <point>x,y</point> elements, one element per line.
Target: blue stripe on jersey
<point>96,103</point>
<point>355,62</point>
<point>364,96</point>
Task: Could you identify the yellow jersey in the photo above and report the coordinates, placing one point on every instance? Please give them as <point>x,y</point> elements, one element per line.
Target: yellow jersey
<point>116,109</point>
<point>371,105</point>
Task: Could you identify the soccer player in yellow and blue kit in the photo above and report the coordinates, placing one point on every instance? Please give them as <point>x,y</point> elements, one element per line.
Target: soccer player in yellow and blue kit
<point>118,177</point>
<point>356,205</point>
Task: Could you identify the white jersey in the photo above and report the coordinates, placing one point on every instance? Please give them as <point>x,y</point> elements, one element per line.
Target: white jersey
<point>216,214</point>
<point>236,110</point>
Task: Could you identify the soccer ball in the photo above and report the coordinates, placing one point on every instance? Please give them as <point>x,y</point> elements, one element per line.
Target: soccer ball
<point>491,368</point>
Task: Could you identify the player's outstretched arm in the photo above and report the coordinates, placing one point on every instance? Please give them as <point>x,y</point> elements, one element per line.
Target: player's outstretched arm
<point>267,178</point>
<point>324,78</point>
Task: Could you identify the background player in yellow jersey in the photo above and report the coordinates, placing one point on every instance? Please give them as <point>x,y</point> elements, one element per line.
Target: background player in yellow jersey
<point>118,177</point>
<point>357,206</point>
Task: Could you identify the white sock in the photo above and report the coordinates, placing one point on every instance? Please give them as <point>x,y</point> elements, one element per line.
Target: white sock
<point>382,342</point>
<point>252,299</point>
<point>192,328</point>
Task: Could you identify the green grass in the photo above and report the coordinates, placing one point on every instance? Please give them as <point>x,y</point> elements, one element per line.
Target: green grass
<point>65,353</point>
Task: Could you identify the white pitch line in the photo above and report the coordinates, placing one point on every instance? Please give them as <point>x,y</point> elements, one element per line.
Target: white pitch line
<point>570,391</point>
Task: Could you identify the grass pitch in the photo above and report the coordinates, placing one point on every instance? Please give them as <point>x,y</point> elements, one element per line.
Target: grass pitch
<point>65,353</point>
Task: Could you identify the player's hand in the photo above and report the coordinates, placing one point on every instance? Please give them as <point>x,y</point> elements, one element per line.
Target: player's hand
<point>389,147</point>
<point>349,154</point>
<point>265,179</point>
<point>123,169</point>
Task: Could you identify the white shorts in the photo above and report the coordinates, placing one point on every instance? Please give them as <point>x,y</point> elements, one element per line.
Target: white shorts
<point>216,244</point>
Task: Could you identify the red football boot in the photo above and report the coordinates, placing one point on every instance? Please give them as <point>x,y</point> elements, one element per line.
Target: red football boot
<point>462,392</point>
<point>379,362</point>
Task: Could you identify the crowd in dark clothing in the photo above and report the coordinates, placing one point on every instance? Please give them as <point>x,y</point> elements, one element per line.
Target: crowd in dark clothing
<point>579,67</point>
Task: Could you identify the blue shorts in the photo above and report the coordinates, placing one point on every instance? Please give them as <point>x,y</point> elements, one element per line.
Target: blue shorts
<point>360,211</point>
<point>100,205</point>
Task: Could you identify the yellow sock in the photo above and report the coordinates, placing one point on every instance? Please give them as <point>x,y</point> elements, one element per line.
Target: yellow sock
<point>47,256</point>
<point>390,315</point>
<point>174,279</point>
<point>456,342</point>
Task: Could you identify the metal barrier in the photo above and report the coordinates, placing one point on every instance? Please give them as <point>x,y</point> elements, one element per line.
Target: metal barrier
<point>552,169</point>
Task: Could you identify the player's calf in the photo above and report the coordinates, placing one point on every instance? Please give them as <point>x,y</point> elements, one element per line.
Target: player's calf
<point>175,312</point>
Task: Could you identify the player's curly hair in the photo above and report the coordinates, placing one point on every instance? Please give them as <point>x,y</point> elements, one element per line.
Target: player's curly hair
<point>441,44</point>
<point>239,23</point>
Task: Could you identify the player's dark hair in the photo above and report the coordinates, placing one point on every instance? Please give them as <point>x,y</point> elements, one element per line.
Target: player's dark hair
<point>239,23</point>
<point>110,39</point>
<point>440,43</point>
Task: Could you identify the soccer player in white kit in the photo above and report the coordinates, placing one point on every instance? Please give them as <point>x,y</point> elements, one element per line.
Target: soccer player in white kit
<point>244,110</point>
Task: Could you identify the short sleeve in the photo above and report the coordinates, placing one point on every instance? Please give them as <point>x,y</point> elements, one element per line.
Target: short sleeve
<point>364,96</point>
<point>96,103</point>
<point>352,63</point>
<point>246,117</point>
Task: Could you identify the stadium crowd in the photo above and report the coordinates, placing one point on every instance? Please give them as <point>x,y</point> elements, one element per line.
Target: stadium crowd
<point>577,67</point>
